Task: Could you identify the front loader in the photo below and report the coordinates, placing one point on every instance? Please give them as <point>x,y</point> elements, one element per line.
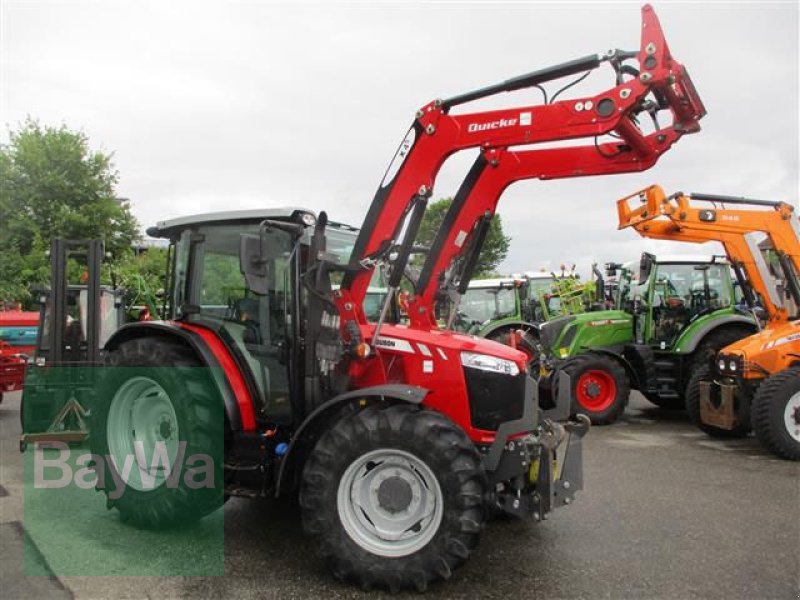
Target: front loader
<point>753,382</point>
<point>400,439</point>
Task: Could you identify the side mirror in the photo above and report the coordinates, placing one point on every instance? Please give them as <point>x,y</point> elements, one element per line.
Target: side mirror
<point>252,263</point>
<point>646,266</point>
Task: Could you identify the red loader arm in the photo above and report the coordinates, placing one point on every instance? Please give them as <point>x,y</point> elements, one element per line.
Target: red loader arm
<point>660,83</point>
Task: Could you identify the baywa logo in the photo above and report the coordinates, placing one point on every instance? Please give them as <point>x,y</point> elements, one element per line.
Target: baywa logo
<point>167,466</point>
<point>499,124</point>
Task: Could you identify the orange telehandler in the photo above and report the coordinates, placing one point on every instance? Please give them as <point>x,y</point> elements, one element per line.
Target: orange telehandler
<point>754,381</point>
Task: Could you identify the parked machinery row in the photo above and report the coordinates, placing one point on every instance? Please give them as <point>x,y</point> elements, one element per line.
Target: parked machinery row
<point>399,439</point>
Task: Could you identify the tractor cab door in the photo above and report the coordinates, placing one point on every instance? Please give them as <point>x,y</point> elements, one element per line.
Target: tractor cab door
<point>253,323</point>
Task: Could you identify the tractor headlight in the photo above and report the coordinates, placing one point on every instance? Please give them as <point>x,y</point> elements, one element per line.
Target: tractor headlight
<point>730,364</point>
<point>492,364</point>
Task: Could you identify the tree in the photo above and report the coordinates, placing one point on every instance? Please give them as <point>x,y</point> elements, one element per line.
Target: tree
<point>53,185</point>
<point>143,276</point>
<point>495,246</point>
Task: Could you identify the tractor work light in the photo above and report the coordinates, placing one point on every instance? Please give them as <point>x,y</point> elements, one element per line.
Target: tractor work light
<point>491,364</point>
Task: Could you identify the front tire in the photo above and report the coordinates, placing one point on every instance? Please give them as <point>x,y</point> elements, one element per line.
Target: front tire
<point>776,413</point>
<point>155,393</point>
<point>600,387</point>
<point>741,406</point>
<point>393,495</point>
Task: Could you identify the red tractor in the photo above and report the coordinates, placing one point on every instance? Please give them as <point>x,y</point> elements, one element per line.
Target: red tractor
<point>17,341</point>
<point>399,439</point>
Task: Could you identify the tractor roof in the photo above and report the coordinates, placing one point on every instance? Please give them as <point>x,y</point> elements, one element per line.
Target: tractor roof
<point>491,283</point>
<point>535,275</point>
<point>168,227</point>
<point>691,258</point>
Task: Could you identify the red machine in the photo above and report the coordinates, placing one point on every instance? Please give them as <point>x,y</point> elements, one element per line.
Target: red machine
<point>17,342</point>
<point>400,439</point>
<point>12,369</point>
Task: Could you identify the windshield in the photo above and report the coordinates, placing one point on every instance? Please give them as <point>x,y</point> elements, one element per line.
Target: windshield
<point>537,287</point>
<point>218,284</point>
<point>695,287</point>
<point>479,305</point>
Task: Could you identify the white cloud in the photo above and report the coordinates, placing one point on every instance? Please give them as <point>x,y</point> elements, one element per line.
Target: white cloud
<point>214,105</point>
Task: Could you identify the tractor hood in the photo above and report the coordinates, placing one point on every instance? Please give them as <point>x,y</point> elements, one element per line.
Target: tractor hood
<point>769,350</point>
<point>440,344</point>
<point>562,337</point>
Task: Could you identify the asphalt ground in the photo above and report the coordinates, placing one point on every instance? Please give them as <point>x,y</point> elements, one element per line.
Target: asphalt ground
<point>666,513</point>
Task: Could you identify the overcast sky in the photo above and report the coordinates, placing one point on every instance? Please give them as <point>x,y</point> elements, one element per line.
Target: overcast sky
<point>216,106</point>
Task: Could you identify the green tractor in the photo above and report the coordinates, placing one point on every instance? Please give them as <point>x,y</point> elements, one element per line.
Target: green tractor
<point>510,309</point>
<point>667,320</point>
<point>493,305</point>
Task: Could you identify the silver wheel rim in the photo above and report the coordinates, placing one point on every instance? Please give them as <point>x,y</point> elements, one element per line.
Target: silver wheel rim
<point>791,417</point>
<point>390,503</point>
<point>141,420</point>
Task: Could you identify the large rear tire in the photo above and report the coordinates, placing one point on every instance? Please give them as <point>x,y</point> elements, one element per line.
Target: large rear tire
<point>394,497</point>
<point>157,393</point>
<point>776,413</point>
<point>741,406</point>
<point>600,387</point>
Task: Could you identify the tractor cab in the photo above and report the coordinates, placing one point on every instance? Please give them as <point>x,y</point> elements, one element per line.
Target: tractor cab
<point>676,291</point>
<point>487,301</point>
<point>243,276</point>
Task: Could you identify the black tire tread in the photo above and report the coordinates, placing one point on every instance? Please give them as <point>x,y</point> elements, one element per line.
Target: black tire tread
<point>183,505</point>
<point>460,472</point>
<point>594,360</point>
<point>767,424</point>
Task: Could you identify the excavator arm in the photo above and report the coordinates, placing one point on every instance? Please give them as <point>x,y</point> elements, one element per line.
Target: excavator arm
<point>660,83</point>
<point>700,218</point>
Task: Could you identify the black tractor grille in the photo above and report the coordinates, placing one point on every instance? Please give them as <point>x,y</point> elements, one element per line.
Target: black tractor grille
<point>494,398</point>
<point>549,332</point>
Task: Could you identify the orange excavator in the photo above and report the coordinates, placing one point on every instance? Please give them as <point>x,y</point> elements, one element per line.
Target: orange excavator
<point>755,381</point>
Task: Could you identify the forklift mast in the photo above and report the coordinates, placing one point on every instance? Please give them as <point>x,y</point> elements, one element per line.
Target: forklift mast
<point>76,339</point>
<point>678,218</point>
<point>660,83</point>
<point>90,252</point>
